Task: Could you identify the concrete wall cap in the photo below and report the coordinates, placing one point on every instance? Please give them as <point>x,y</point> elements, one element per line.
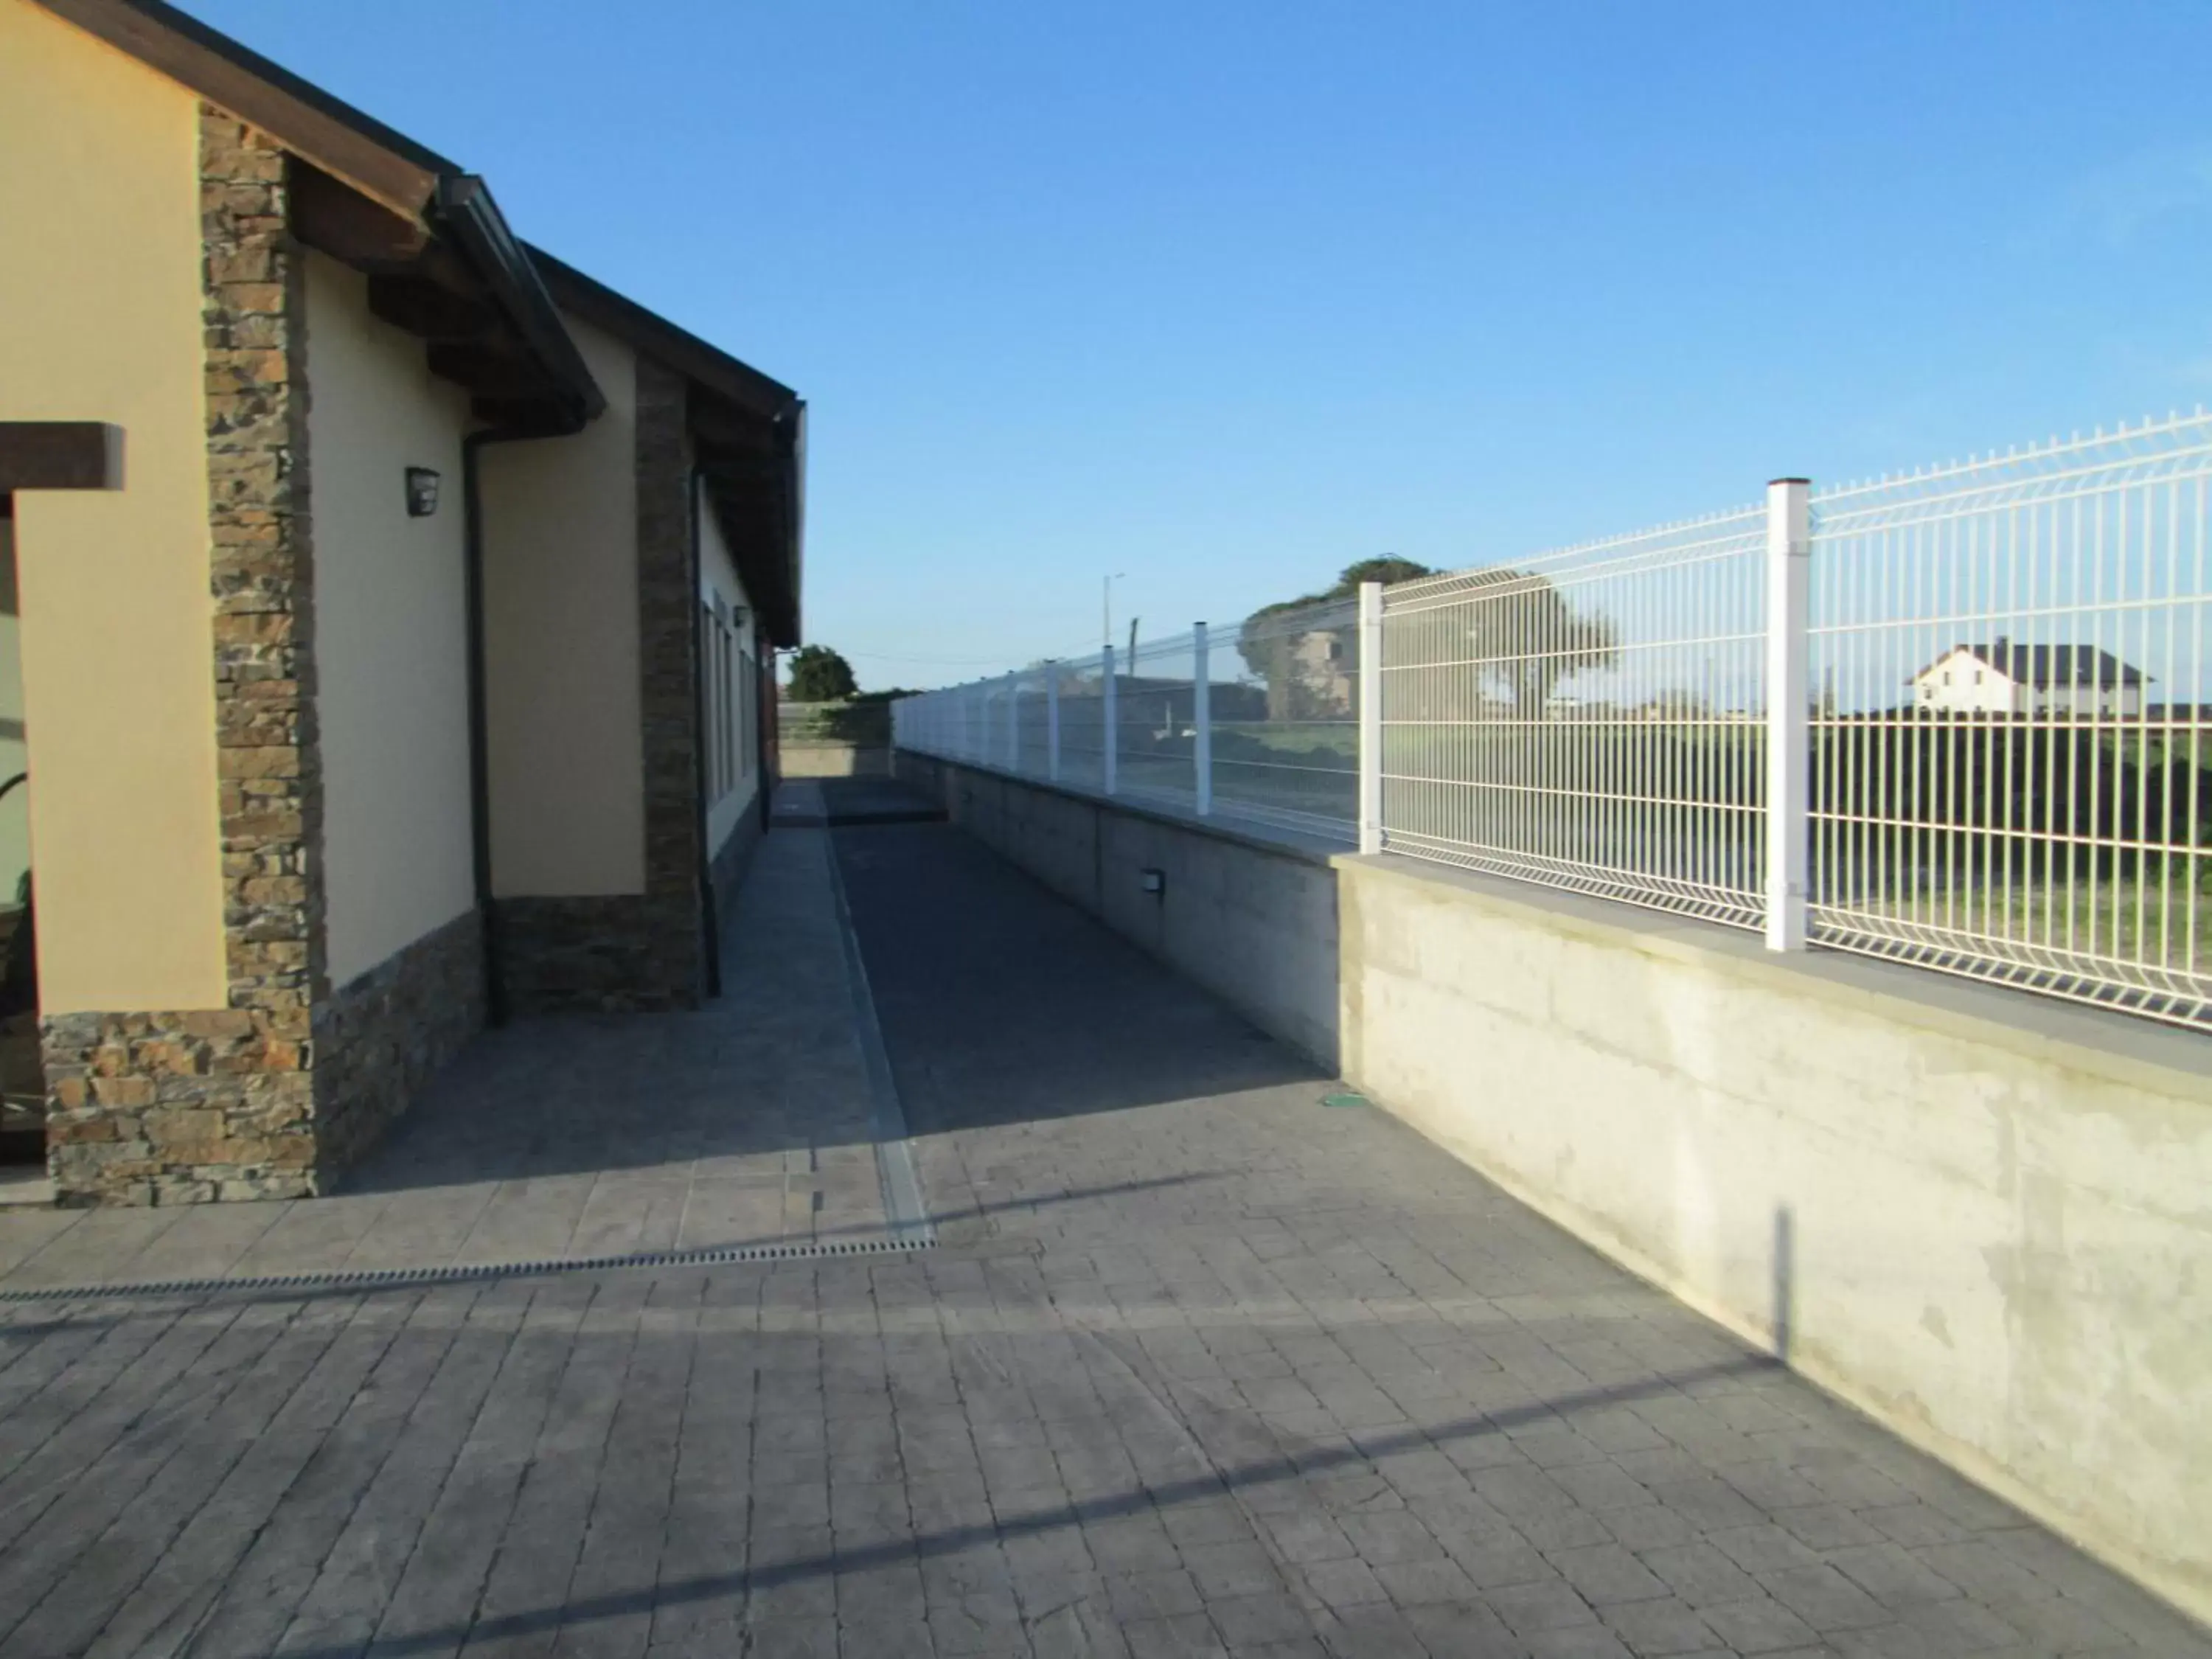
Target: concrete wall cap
<point>2104,1042</point>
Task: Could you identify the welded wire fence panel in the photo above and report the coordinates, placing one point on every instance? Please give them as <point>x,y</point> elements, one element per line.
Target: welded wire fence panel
<point>1082,723</point>
<point>1285,689</point>
<point>1281,693</point>
<point>2010,762</point>
<point>1593,719</point>
<point>1155,723</point>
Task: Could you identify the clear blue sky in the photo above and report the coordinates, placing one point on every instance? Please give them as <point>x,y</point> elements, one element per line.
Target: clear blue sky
<point>1225,295</point>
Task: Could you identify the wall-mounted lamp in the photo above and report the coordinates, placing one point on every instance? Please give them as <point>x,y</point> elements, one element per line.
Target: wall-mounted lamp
<point>422,492</point>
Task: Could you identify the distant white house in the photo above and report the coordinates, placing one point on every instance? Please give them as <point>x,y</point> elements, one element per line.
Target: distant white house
<point>2007,678</point>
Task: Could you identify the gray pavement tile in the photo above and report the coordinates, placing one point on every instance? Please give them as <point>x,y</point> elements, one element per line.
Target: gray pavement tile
<point>1606,1573</point>
<point>1578,1642</point>
<point>1189,1635</point>
<point>1414,1584</point>
<point>1758,1624</point>
<point>1701,1575</point>
<point>1650,1629</point>
<point>1547,1604</point>
<point>1248,1621</point>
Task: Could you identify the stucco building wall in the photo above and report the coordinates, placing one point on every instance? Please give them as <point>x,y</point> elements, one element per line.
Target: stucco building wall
<point>104,324</point>
<point>560,650</point>
<point>391,630</point>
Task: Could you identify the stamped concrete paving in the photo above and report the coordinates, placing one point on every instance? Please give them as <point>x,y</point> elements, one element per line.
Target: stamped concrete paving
<point>577,1136</point>
<point>1201,1365</point>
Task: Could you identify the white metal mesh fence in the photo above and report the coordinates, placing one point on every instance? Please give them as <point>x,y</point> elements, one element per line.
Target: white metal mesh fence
<point>1593,719</point>
<point>1286,718</point>
<point>2009,758</point>
<point>1273,740</point>
<point>1988,747</point>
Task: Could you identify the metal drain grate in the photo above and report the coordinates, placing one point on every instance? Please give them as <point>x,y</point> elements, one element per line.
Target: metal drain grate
<point>923,1238</point>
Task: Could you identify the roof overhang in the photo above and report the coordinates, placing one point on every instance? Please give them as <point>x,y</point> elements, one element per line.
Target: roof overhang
<point>441,262</point>
<point>748,438</point>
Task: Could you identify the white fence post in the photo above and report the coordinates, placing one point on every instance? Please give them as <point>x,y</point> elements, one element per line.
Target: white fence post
<point>1202,720</point>
<point>1106,719</point>
<point>1052,721</point>
<point>1789,730</point>
<point>1370,717</point>
<point>1014,724</point>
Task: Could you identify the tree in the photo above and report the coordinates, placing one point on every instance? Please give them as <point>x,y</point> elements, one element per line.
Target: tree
<point>1297,665</point>
<point>820,675</point>
<point>1527,639</point>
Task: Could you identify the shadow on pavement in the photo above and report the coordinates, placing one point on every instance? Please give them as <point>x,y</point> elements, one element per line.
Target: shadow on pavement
<point>1297,1463</point>
<point>1002,1003</point>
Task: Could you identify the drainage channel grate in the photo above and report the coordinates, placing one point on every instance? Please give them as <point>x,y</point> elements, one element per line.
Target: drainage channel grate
<point>921,1239</point>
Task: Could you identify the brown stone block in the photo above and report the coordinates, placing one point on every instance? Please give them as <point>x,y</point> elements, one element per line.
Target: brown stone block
<point>218,1023</point>
<point>255,630</point>
<point>85,1130</point>
<point>244,371</point>
<point>264,761</point>
<point>247,260</point>
<point>173,1127</point>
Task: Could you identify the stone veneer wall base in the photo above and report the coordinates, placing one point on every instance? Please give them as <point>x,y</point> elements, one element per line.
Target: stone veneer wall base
<point>594,954</point>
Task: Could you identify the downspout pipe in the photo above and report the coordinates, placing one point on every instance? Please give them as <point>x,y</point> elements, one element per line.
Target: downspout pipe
<point>710,920</point>
<point>495,979</point>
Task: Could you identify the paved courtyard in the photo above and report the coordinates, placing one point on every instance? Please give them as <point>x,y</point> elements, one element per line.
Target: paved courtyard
<point>581,1136</point>
<point>1198,1364</point>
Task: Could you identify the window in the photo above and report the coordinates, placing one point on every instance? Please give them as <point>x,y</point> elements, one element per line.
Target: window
<point>748,722</point>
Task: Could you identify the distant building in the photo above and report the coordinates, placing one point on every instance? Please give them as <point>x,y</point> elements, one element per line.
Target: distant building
<point>2007,678</point>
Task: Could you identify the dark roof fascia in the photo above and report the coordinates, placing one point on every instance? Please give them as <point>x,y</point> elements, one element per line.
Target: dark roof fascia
<point>293,109</point>
<point>466,203</point>
<point>678,348</point>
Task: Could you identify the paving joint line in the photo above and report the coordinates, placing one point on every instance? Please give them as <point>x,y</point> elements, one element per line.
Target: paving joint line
<point>452,1272</point>
<point>904,1211</point>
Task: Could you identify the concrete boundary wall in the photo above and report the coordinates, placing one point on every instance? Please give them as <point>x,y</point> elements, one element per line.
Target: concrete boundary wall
<point>1251,918</point>
<point>1983,1218</point>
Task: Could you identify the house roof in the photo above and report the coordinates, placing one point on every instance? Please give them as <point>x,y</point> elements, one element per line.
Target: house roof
<point>748,438</point>
<point>444,265</point>
<point>2049,665</point>
<point>441,262</point>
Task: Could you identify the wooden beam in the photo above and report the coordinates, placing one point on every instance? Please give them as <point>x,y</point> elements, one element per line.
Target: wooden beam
<point>60,455</point>
<point>431,310</point>
<point>331,215</point>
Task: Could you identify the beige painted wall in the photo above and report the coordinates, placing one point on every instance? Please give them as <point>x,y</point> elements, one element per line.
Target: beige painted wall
<point>390,629</point>
<point>560,659</point>
<point>740,787</point>
<point>1997,1235</point>
<point>99,320</point>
